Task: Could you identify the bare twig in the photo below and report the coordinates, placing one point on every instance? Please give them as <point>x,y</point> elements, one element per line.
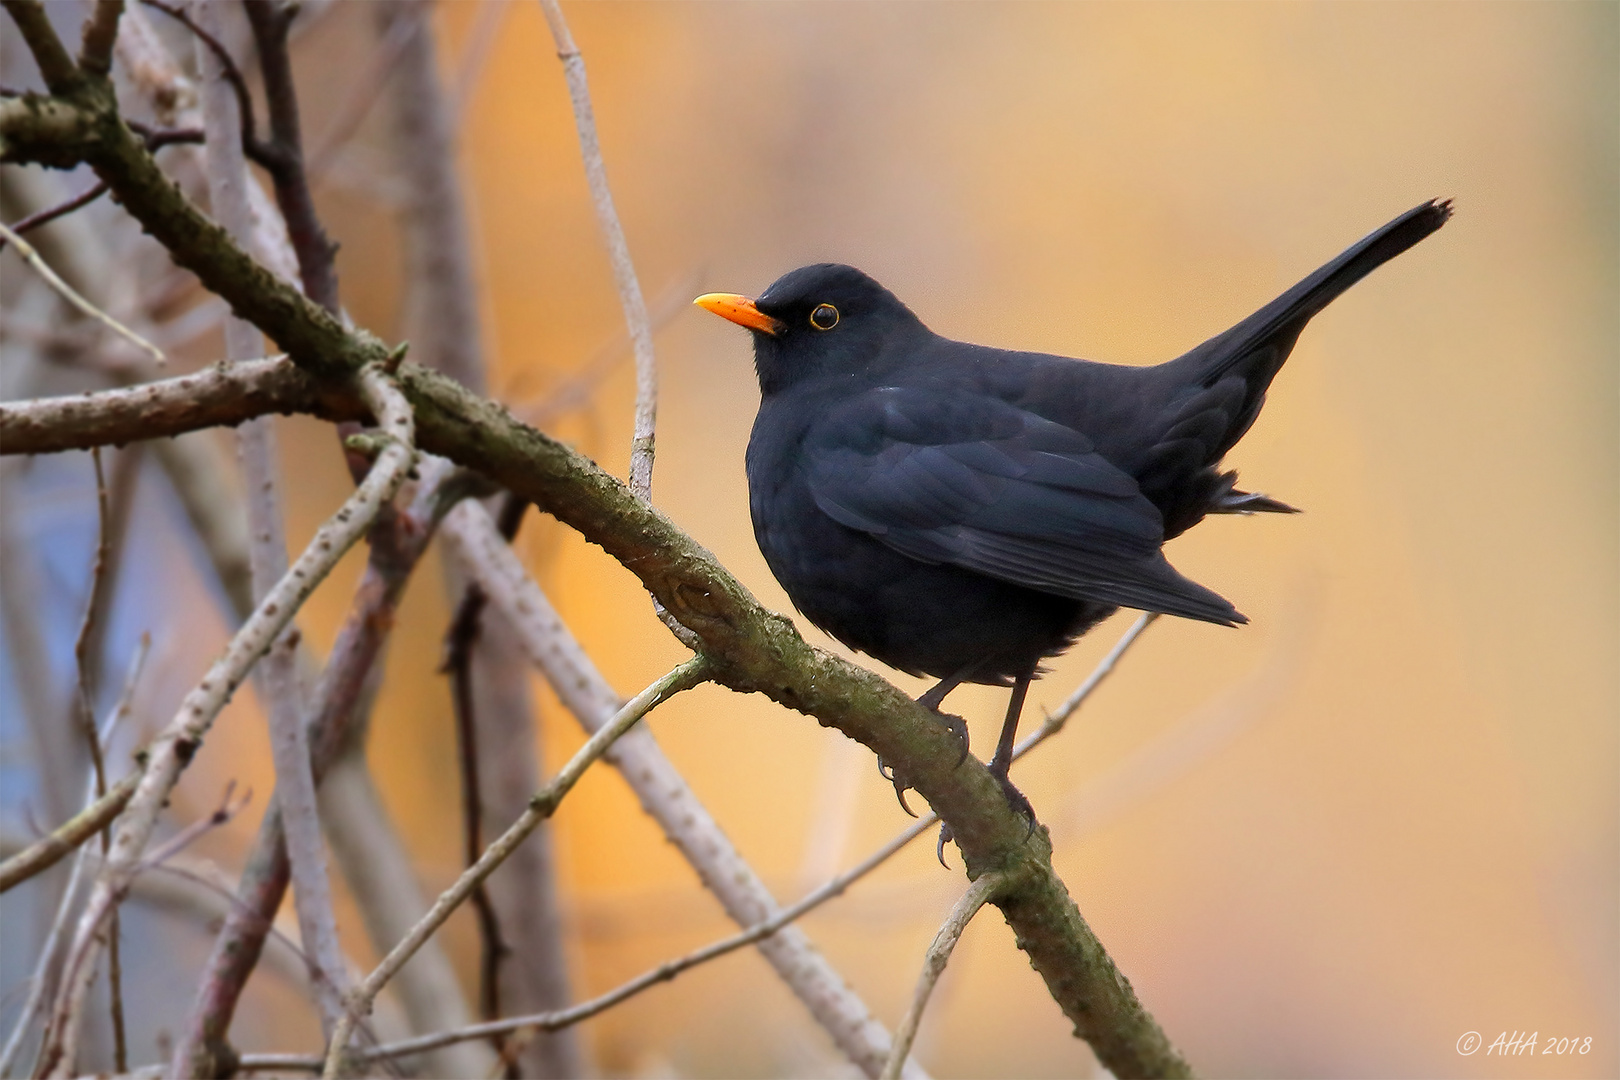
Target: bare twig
<point>837,886</point>
<point>981,892</point>
<point>543,805</point>
<point>34,221</point>
<point>227,809</point>
<point>39,984</point>
<point>1071,704</point>
<point>96,50</point>
<point>93,606</point>
<point>88,643</point>
<point>559,1019</point>
<point>624,271</point>
<point>174,747</point>
<point>428,990</point>
<point>47,851</point>
<point>55,63</point>
<point>459,642</point>
<point>442,320</point>
<point>277,674</point>
<point>663,792</point>
<point>232,74</point>
<point>26,250</point>
<point>271,22</point>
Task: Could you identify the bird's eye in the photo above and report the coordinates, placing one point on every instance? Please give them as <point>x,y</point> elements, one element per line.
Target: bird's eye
<point>824,317</point>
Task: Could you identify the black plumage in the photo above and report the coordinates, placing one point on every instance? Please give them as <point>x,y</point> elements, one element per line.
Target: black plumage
<point>965,512</point>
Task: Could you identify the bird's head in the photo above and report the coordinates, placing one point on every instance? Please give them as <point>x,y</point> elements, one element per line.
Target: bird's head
<point>825,319</point>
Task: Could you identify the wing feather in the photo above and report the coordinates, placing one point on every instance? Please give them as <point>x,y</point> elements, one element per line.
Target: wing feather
<point>971,481</point>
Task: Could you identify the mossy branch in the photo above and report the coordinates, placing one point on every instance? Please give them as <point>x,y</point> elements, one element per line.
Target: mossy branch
<point>752,649</point>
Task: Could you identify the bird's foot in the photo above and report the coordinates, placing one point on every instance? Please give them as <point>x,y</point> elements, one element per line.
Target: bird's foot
<point>893,776</point>
<point>956,726</point>
<point>1014,797</point>
<point>945,835</point>
<point>1016,800</point>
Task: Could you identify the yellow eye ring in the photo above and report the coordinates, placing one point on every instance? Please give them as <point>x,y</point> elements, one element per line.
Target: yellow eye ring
<point>824,317</point>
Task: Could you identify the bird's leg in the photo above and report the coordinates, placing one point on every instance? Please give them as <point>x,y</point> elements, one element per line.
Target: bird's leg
<point>933,698</point>
<point>1002,762</point>
<point>1009,728</point>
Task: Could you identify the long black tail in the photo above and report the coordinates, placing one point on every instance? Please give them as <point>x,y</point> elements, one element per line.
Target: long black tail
<point>1279,322</point>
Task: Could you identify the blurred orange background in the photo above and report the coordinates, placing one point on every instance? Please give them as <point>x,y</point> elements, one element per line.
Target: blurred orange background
<point>1382,815</point>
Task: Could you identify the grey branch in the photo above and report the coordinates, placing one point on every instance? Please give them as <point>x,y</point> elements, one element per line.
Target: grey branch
<point>981,892</point>
<point>542,806</point>
<point>624,271</point>
<point>174,747</point>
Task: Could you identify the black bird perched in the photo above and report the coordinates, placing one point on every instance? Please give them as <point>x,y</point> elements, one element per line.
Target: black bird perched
<point>965,512</point>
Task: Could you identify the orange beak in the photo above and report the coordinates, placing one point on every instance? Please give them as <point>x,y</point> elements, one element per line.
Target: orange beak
<point>740,310</point>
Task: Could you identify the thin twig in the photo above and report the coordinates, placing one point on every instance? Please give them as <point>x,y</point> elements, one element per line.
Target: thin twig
<point>277,674</point>
<point>316,253</point>
<point>39,982</point>
<point>95,57</point>
<point>93,605</point>
<point>466,627</point>
<point>47,851</point>
<point>341,704</point>
<point>561,1018</point>
<point>251,145</point>
<point>982,891</point>
<point>624,271</point>
<point>541,806</point>
<point>86,652</point>
<point>663,792</point>
<point>1071,704</point>
<point>458,649</point>
<point>174,747</point>
<point>221,815</point>
<point>26,250</point>
<point>34,221</point>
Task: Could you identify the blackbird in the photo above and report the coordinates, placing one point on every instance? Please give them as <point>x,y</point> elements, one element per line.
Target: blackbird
<point>965,512</point>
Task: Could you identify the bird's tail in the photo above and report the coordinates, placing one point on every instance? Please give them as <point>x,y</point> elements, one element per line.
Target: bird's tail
<point>1267,336</point>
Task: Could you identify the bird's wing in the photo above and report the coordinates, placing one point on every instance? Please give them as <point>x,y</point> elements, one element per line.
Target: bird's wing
<point>971,481</point>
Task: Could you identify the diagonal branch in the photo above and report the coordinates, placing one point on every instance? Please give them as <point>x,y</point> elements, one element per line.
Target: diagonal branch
<point>663,793</point>
<point>752,649</point>
<point>174,747</point>
<point>541,806</point>
<point>981,892</point>
<point>47,851</point>
<point>276,677</point>
<point>342,700</point>
<point>71,295</point>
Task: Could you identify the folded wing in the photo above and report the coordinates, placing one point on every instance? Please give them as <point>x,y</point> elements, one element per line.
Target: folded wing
<point>971,481</point>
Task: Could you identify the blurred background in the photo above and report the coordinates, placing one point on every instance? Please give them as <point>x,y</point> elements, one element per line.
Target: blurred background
<point>1383,814</point>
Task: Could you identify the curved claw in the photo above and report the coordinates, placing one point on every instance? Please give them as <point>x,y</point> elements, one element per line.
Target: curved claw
<point>939,849</point>
<point>900,793</point>
<point>884,770</point>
